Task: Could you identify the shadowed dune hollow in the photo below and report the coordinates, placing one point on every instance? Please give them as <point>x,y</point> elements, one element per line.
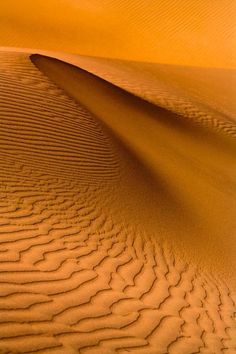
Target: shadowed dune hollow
<point>117,206</point>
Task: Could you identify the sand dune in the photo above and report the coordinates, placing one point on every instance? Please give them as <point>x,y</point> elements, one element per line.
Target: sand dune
<point>117,209</point>
<point>180,150</point>
<point>200,33</point>
<point>205,94</point>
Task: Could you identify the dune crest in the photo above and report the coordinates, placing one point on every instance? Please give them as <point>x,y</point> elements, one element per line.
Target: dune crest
<point>179,152</point>
<point>103,237</point>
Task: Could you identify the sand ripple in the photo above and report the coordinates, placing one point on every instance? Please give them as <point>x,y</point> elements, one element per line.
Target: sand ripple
<point>83,264</point>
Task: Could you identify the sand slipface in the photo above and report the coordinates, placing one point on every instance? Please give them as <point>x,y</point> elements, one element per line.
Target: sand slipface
<point>117,208</point>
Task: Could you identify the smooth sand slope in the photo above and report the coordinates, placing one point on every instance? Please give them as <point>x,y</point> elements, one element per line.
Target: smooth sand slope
<point>186,32</point>
<point>117,231</point>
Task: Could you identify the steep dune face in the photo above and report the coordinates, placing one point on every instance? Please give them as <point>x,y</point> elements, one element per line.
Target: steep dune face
<point>100,190</point>
<point>205,95</point>
<point>196,163</point>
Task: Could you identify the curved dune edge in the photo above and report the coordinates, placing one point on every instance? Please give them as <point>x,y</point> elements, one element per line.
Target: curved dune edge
<point>176,151</point>
<point>203,95</point>
<point>89,257</point>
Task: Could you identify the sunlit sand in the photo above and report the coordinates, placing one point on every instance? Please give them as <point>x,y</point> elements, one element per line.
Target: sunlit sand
<point>117,186</point>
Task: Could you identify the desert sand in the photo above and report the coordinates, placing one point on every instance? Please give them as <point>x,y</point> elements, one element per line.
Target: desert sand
<point>117,177</point>
<point>117,214</point>
<point>183,32</point>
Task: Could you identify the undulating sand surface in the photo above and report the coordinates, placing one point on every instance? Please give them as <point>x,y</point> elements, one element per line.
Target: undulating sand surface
<point>117,209</point>
<point>183,32</point>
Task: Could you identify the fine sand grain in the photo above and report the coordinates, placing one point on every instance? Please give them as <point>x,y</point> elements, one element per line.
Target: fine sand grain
<point>117,205</point>
<point>187,32</point>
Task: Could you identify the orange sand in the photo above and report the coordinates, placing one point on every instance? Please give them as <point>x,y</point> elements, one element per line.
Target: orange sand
<point>117,177</point>
<point>117,215</point>
<point>185,32</point>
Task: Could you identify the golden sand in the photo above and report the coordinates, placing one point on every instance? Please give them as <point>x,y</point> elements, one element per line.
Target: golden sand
<point>117,218</point>
<point>117,177</point>
<point>186,32</point>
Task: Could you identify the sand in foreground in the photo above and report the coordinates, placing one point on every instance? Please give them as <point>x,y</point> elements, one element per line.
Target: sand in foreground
<point>109,207</point>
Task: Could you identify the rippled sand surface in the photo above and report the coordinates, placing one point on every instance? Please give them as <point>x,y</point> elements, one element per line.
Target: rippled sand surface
<point>117,210</point>
<point>117,177</point>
